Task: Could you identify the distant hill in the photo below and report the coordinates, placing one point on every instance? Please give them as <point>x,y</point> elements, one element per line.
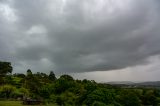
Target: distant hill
<point>150,83</point>
<point>121,82</point>
<point>129,83</point>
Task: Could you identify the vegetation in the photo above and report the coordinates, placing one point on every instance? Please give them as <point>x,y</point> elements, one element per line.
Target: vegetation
<point>10,103</point>
<point>19,103</point>
<point>66,91</point>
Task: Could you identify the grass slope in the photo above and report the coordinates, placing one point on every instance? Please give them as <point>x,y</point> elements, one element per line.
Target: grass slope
<point>18,103</point>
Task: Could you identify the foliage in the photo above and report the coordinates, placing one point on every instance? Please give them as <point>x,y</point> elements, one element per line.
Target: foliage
<point>19,103</point>
<point>106,96</point>
<point>128,97</point>
<point>96,103</point>
<point>66,77</point>
<point>5,67</point>
<point>6,91</point>
<point>52,76</point>
<point>10,103</point>
<point>69,92</point>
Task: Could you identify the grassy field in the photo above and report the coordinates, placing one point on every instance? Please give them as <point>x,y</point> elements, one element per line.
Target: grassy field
<point>18,103</point>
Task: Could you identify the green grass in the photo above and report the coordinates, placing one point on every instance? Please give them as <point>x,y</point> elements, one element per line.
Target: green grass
<point>18,103</point>
<point>10,103</point>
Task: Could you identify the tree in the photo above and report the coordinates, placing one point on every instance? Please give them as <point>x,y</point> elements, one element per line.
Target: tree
<point>19,75</point>
<point>31,82</point>
<point>29,72</point>
<point>8,79</point>
<point>128,98</point>
<point>66,77</point>
<point>64,83</point>
<point>24,91</point>
<point>5,68</point>
<point>97,103</point>
<point>7,90</point>
<point>106,96</point>
<point>66,99</point>
<point>45,91</point>
<point>149,98</point>
<point>52,76</point>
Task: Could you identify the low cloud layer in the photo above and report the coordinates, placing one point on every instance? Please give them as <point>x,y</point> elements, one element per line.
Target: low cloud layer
<point>78,35</point>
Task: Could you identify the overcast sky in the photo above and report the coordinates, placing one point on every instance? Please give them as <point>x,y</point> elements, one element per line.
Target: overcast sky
<point>103,40</point>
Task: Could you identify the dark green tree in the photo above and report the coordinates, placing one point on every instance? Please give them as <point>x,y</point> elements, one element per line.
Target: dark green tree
<point>128,98</point>
<point>106,96</point>
<point>5,68</point>
<point>29,72</point>
<point>52,76</point>
<point>6,91</point>
<point>64,83</point>
<point>149,98</point>
<point>32,83</point>
<point>66,77</point>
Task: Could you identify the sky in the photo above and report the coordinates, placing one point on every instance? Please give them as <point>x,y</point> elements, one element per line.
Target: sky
<point>101,40</point>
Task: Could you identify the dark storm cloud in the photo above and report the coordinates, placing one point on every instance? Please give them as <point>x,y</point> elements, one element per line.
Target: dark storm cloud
<point>79,35</point>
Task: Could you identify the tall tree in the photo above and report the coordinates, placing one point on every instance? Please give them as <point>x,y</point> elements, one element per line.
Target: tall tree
<point>52,76</point>
<point>29,72</point>
<point>5,68</point>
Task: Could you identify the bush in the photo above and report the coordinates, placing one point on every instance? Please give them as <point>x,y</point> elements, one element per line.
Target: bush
<point>6,91</point>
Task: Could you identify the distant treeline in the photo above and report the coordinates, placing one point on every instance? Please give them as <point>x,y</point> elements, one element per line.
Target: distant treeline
<point>66,91</point>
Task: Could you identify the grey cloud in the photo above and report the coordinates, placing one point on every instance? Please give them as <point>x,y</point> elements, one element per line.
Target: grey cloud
<point>81,36</point>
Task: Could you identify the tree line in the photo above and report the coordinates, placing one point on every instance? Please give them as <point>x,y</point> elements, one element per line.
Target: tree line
<point>67,91</point>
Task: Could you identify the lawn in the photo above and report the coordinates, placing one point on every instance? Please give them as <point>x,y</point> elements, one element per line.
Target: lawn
<point>18,103</point>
